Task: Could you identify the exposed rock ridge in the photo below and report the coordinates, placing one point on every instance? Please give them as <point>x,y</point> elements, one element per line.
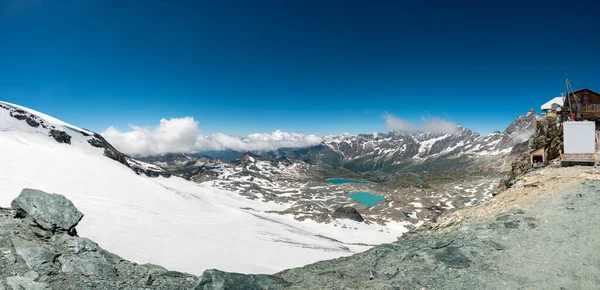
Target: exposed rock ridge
<point>96,140</point>
<point>114,154</point>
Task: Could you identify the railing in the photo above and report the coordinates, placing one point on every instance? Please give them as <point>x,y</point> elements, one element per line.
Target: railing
<point>591,107</point>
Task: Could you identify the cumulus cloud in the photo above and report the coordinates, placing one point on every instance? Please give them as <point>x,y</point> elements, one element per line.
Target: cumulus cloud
<point>429,124</point>
<point>182,135</point>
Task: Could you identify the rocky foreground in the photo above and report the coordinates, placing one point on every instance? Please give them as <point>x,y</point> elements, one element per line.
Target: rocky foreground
<point>540,234</point>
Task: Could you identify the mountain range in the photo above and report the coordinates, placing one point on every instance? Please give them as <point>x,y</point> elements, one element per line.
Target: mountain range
<point>379,156</point>
<point>272,201</point>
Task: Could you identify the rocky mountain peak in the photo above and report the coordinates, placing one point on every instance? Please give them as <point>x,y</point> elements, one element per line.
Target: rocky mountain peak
<point>522,127</point>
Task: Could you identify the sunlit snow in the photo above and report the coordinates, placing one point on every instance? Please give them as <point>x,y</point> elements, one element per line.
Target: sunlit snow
<point>171,222</point>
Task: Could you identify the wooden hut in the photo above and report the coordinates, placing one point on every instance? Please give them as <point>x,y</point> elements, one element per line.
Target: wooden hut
<point>583,104</point>
<point>539,157</point>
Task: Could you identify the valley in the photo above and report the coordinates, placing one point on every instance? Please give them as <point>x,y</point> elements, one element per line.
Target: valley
<point>204,213</point>
<point>417,175</point>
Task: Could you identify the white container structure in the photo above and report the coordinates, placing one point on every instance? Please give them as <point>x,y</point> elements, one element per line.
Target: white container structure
<point>579,137</point>
<point>579,143</point>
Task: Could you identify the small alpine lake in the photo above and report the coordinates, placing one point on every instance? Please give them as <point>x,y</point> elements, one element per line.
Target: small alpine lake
<point>344,180</point>
<point>366,198</point>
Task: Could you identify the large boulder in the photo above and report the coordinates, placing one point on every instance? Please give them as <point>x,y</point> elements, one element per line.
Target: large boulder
<point>52,212</point>
<point>347,212</point>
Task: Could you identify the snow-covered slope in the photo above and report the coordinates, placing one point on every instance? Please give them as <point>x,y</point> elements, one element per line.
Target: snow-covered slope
<point>172,222</point>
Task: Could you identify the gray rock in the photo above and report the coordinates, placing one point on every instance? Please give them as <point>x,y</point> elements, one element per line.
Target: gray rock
<point>347,212</point>
<point>441,244</point>
<point>88,263</point>
<point>33,254</point>
<point>8,256</point>
<point>26,283</point>
<point>497,246</point>
<point>52,212</point>
<point>76,245</point>
<point>31,275</point>
<point>453,258</point>
<point>219,280</point>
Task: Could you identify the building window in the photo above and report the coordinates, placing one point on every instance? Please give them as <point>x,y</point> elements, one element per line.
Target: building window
<point>585,98</point>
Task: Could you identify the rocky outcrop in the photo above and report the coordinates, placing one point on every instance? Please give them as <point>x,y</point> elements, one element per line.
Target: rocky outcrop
<point>111,152</point>
<point>548,134</point>
<point>30,119</point>
<point>216,280</point>
<point>522,127</point>
<point>347,212</point>
<point>59,259</point>
<point>62,261</point>
<point>51,212</point>
<point>60,136</point>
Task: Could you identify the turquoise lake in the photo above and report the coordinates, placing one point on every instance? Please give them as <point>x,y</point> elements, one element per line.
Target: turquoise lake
<point>366,198</point>
<point>344,180</point>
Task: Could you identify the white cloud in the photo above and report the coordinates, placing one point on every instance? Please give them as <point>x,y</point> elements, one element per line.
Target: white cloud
<point>429,124</point>
<point>179,135</point>
<point>396,124</point>
<point>438,125</point>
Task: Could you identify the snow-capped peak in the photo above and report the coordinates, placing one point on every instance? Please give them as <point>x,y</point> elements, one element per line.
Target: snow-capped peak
<point>24,123</point>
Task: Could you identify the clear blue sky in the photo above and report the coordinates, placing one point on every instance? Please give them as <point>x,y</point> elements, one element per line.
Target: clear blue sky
<point>302,66</point>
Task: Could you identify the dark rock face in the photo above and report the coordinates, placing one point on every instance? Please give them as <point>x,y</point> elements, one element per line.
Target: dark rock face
<point>60,136</point>
<point>95,142</point>
<point>52,212</point>
<point>21,115</point>
<point>453,258</point>
<point>347,212</point>
<point>32,122</point>
<point>30,119</point>
<point>111,152</point>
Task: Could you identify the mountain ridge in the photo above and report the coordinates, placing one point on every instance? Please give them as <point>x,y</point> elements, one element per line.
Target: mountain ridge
<point>120,202</point>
